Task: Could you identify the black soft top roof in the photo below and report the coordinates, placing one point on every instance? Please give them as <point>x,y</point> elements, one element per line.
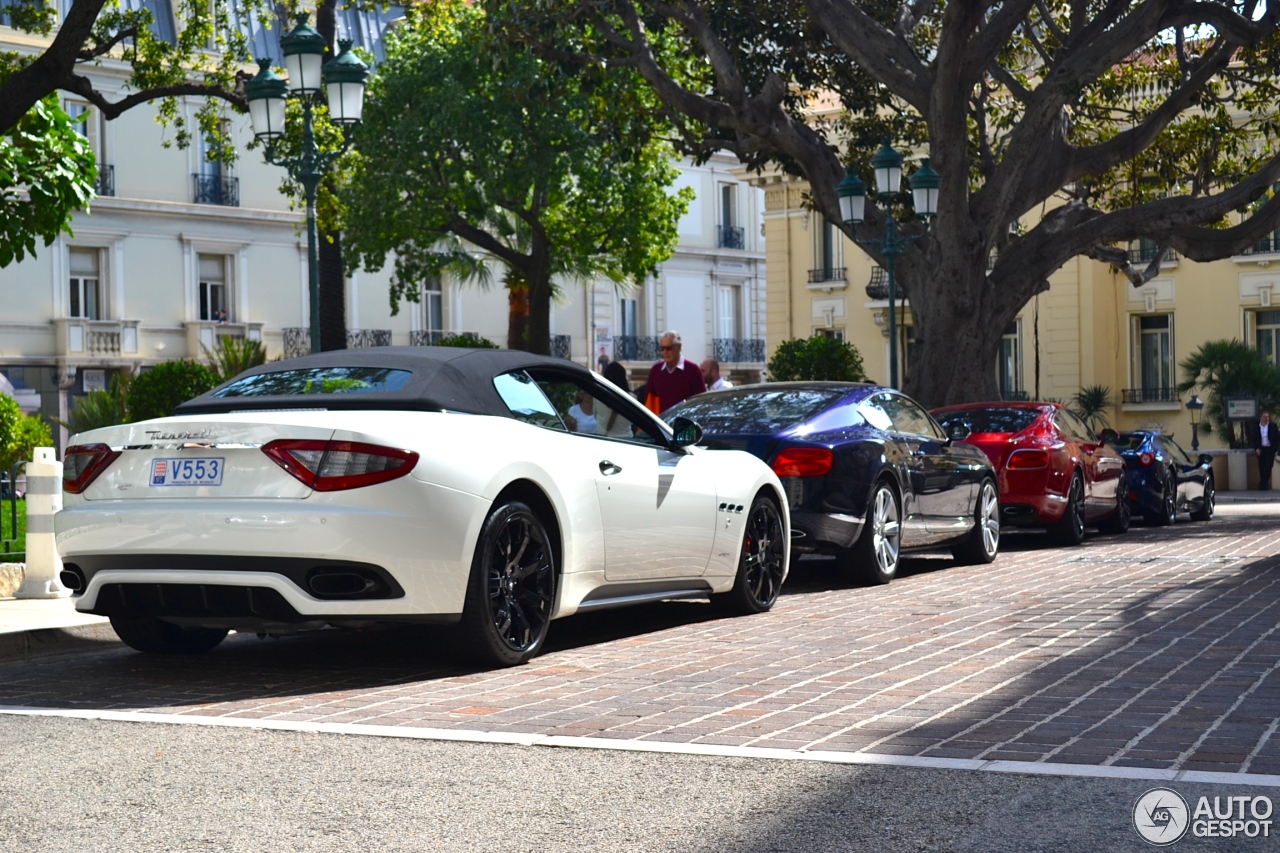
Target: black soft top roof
<point>452,378</point>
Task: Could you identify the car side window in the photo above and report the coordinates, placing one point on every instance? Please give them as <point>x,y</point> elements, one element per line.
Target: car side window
<point>590,409</point>
<point>1082,428</point>
<point>1073,427</point>
<point>526,401</point>
<point>908,417</point>
<point>1175,450</point>
<point>873,413</point>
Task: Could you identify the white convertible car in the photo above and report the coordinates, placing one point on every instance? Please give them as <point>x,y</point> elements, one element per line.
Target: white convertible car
<point>414,484</point>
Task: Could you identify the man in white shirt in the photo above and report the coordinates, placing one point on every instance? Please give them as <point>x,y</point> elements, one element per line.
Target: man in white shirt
<point>711,375</point>
<point>1265,445</point>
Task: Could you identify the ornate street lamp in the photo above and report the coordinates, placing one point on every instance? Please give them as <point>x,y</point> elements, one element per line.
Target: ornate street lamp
<point>1194,405</point>
<point>344,79</point>
<point>852,193</point>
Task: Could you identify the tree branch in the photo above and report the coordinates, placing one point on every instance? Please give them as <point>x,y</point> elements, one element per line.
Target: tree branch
<point>884,54</point>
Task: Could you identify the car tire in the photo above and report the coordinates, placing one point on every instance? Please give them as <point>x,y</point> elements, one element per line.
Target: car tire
<point>1207,503</point>
<point>157,637</point>
<point>1120,518</point>
<point>511,590</point>
<point>982,543</point>
<point>762,564</point>
<point>874,557</point>
<point>1168,503</point>
<point>1069,530</point>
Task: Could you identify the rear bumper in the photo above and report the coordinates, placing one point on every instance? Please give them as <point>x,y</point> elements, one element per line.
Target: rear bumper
<point>1032,497</point>
<point>824,531</point>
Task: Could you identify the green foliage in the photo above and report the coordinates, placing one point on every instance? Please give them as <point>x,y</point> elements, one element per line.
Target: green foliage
<point>232,356</point>
<point>816,358</point>
<point>554,169</point>
<point>101,408</point>
<point>1091,403</point>
<point>158,391</point>
<point>1222,368</point>
<point>47,171</point>
<point>466,339</point>
<point>20,434</point>
<point>16,543</point>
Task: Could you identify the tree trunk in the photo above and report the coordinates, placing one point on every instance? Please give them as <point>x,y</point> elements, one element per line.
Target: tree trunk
<point>517,315</point>
<point>333,293</point>
<point>539,328</point>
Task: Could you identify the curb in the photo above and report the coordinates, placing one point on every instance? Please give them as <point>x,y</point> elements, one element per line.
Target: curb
<point>44,642</point>
<point>11,575</point>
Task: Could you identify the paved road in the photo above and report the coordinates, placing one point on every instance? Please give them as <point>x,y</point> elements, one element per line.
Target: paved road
<point>1154,653</point>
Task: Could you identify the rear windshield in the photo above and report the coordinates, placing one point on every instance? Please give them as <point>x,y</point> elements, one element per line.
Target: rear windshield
<point>755,412</point>
<point>1011,419</point>
<point>1129,441</point>
<point>317,380</point>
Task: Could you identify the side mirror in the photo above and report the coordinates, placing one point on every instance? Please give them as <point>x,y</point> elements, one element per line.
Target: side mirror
<point>1109,436</point>
<point>687,432</point>
<point>959,431</point>
<point>1205,459</point>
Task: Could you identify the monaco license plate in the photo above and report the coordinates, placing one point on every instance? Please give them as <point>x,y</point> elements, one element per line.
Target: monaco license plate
<point>205,471</point>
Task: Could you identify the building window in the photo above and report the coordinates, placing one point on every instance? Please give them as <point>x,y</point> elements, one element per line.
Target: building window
<point>833,333</point>
<point>1009,367</point>
<point>432,306</point>
<point>630,317</point>
<point>85,296</point>
<point>728,325</point>
<point>731,234</point>
<point>1153,366</point>
<point>1266,334</point>
<point>214,303</point>
<point>828,254</point>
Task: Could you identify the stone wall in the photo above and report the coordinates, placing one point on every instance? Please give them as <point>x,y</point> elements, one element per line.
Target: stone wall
<point>10,578</point>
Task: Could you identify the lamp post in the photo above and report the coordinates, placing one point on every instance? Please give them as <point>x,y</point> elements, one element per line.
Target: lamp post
<point>344,79</point>
<point>887,164</point>
<point>1194,405</point>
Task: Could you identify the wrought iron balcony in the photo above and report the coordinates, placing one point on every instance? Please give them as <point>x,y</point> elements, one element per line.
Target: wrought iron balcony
<point>368,338</point>
<point>297,341</point>
<point>878,286</point>
<point>217,189</point>
<point>737,350</point>
<point>635,347</point>
<point>1269,245</point>
<point>732,237</point>
<point>562,346</point>
<point>106,184</point>
<point>1145,251</point>
<point>1150,395</point>
<point>427,337</point>
<point>827,274</point>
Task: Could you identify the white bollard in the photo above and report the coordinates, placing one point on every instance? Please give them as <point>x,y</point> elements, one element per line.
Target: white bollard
<point>44,498</point>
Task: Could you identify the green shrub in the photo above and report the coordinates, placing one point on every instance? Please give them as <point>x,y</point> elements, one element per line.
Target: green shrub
<point>466,339</point>
<point>101,408</point>
<point>20,434</point>
<point>232,356</point>
<point>816,358</point>
<point>15,540</point>
<point>1091,403</point>
<point>158,391</point>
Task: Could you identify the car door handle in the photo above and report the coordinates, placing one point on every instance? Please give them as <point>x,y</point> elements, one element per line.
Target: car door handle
<point>609,469</point>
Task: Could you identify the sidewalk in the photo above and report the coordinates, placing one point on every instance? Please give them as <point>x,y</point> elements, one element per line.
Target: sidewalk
<point>35,627</point>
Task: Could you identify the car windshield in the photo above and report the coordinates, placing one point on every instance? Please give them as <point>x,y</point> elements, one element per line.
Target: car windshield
<point>755,412</point>
<point>1129,441</point>
<point>317,380</point>
<point>989,418</point>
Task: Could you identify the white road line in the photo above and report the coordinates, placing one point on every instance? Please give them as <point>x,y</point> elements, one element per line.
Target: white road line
<point>713,750</point>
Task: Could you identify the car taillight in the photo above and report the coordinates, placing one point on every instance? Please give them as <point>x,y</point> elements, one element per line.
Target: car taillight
<point>331,466</point>
<point>1146,459</point>
<point>802,462</point>
<point>82,463</point>
<point>1020,459</point>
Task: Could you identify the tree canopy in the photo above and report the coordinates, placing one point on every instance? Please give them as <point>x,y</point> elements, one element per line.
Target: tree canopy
<point>1060,128</point>
<point>555,169</point>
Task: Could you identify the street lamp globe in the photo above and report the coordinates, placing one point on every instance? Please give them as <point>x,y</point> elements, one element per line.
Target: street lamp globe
<point>887,164</point>
<point>852,193</point>
<point>344,80</point>
<point>266,96</point>
<point>303,50</point>
<point>1194,405</point>
<point>924,190</point>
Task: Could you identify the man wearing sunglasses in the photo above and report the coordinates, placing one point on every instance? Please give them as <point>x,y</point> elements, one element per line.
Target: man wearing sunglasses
<point>673,379</point>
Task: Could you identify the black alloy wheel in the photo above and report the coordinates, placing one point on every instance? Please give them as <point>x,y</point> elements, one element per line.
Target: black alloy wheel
<point>512,588</point>
<point>1069,530</point>
<point>1119,519</point>
<point>874,557</point>
<point>157,637</point>
<point>1207,503</point>
<point>982,542</point>
<point>762,567</point>
<point>1168,513</point>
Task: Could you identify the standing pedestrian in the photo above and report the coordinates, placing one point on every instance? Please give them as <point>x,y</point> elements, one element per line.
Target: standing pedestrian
<point>1265,444</point>
<point>711,375</point>
<point>673,379</point>
<point>603,360</point>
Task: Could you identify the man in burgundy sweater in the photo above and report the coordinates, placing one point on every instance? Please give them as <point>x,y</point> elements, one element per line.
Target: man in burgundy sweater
<point>673,379</point>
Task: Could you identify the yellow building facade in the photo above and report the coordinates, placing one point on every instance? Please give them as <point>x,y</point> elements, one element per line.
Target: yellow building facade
<point>1092,327</point>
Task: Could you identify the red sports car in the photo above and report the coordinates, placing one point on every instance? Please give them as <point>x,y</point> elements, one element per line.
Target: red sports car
<point>1052,470</point>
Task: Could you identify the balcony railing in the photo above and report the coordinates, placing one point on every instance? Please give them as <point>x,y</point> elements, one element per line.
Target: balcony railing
<point>297,341</point>
<point>217,189</point>
<point>878,286</point>
<point>737,350</point>
<point>635,347</point>
<point>1145,252</point>
<point>1269,245</point>
<point>368,338</point>
<point>732,237</point>
<point>106,185</point>
<point>1149,395</point>
<point>828,274</point>
<point>81,337</point>
<point>562,346</point>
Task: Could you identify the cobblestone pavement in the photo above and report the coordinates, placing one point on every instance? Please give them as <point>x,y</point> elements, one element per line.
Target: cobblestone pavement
<point>1157,649</point>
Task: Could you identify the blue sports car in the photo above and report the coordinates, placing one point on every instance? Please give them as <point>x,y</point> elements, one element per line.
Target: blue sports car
<point>867,471</point>
<point>1163,479</point>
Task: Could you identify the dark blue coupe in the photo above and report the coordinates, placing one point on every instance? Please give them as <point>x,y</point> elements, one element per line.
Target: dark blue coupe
<point>1163,479</point>
<point>867,471</point>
